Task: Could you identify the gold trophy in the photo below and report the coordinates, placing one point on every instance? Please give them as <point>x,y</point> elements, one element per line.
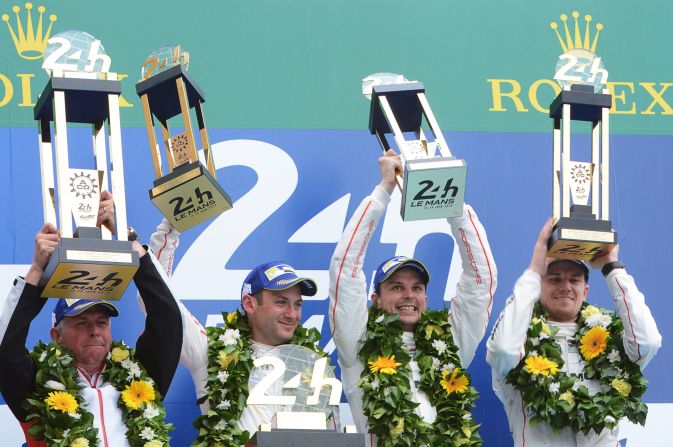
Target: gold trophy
<point>433,182</point>
<point>582,230</point>
<point>189,193</point>
<point>88,263</point>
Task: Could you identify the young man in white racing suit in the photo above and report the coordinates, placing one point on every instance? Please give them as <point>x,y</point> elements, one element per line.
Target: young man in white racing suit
<point>271,303</point>
<point>561,287</point>
<point>348,312</point>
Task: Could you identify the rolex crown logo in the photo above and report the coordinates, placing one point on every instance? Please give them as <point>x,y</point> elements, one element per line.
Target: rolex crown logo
<point>576,40</point>
<point>29,42</point>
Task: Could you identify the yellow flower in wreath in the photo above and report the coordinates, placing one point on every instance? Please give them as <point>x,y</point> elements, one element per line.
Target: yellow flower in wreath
<point>455,383</point>
<point>398,428</point>
<point>80,442</point>
<point>138,393</point>
<point>384,365</point>
<point>62,401</point>
<point>119,355</point>
<point>594,343</point>
<point>622,386</point>
<point>568,397</point>
<point>433,328</point>
<point>154,443</point>
<point>232,317</point>
<point>540,365</point>
<point>225,359</point>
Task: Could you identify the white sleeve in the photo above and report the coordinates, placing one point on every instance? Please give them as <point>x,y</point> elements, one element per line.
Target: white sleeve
<point>471,307</point>
<point>194,354</point>
<point>348,288</point>
<point>641,337</point>
<point>506,346</point>
<point>163,243</point>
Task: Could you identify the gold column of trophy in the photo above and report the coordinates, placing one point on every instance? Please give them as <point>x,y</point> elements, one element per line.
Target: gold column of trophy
<point>87,263</point>
<point>189,193</point>
<point>433,186</point>
<point>582,230</point>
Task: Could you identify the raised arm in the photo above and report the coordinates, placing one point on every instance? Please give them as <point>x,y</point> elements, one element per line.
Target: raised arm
<point>471,307</point>
<point>506,345</point>
<point>17,374</point>
<point>641,337</point>
<point>348,288</point>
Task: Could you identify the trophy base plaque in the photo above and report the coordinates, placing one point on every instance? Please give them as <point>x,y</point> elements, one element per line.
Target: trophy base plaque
<point>90,268</point>
<point>581,236</point>
<point>434,188</point>
<point>189,195</point>
<point>305,438</point>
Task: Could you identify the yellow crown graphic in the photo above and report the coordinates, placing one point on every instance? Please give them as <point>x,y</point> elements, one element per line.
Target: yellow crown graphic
<point>577,42</point>
<point>30,44</point>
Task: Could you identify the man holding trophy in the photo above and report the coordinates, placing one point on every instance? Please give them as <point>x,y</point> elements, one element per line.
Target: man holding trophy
<point>397,348</point>
<point>73,390</point>
<point>567,372</point>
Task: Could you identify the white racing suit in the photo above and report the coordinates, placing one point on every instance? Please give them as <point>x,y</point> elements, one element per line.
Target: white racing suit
<point>194,354</point>
<point>506,348</point>
<point>470,309</point>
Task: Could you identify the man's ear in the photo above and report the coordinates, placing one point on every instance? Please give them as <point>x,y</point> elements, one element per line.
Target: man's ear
<point>248,303</point>
<point>53,332</point>
<point>375,299</point>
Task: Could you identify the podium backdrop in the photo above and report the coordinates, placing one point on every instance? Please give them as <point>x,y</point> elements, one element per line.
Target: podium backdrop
<point>288,125</point>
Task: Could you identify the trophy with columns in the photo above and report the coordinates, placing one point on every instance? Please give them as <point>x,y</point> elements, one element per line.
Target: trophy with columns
<point>87,263</point>
<point>189,193</point>
<point>433,181</point>
<point>580,189</point>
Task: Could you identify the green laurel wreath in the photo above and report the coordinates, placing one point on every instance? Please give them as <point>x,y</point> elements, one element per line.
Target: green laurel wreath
<point>387,400</point>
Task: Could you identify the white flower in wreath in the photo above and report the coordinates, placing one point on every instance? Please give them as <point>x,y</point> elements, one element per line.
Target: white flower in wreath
<point>75,416</point>
<point>151,412</point>
<point>609,420</point>
<point>224,405</point>
<point>220,426</point>
<point>594,320</point>
<point>543,336</point>
<point>439,345</point>
<point>532,353</point>
<point>54,385</point>
<point>222,376</point>
<point>534,341</point>
<point>448,368</point>
<point>128,364</point>
<point>376,384</point>
<point>65,433</point>
<point>134,372</point>
<point>554,387</point>
<point>379,319</point>
<point>223,393</point>
<point>436,363</point>
<point>230,337</point>
<point>147,434</point>
<point>43,356</point>
<point>614,356</point>
<point>467,416</point>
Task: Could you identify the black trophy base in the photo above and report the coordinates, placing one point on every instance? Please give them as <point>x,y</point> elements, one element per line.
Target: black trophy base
<point>189,195</point>
<point>305,438</point>
<point>581,236</point>
<point>90,268</point>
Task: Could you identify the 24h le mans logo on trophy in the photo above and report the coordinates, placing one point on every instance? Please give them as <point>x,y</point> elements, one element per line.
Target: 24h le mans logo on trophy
<point>582,230</point>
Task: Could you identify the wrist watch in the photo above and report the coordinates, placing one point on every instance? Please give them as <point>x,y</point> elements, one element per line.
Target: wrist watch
<point>610,266</point>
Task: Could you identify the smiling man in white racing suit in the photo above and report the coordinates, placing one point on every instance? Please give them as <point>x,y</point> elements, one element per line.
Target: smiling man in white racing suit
<point>272,304</point>
<point>561,287</point>
<point>400,287</point>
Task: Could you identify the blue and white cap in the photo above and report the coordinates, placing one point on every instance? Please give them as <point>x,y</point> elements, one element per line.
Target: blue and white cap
<point>276,275</point>
<point>390,266</point>
<point>576,262</point>
<point>69,308</point>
